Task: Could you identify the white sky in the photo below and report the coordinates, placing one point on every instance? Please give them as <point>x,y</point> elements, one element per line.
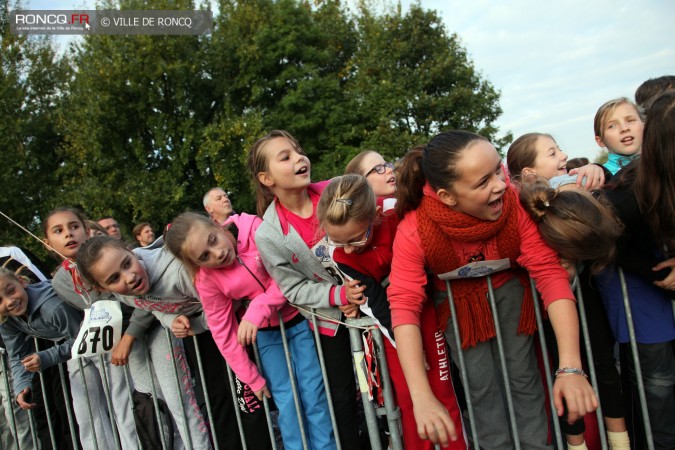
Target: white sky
<point>554,63</point>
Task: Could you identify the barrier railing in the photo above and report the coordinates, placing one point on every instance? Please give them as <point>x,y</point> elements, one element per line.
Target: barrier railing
<point>371,411</point>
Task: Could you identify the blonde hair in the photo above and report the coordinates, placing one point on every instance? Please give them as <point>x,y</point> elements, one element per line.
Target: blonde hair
<point>15,275</point>
<point>258,161</point>
<point>354,166</point>
<point>346,198</point>
<point>176,235</point>
<point>606,110</point>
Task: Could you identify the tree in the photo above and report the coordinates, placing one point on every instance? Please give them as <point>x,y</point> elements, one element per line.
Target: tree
<point>30,97</point>
<point>414,79</point>
<point>137,108</point>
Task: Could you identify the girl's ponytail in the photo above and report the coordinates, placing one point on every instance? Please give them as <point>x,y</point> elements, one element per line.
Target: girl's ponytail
<point>572,222</point>
<point>410,181</point>
<point>536,198</point>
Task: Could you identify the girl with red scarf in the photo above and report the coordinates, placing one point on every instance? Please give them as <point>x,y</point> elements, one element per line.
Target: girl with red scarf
<point>457,207</point>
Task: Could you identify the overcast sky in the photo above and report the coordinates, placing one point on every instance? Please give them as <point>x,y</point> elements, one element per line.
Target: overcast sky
<point>554,63</point>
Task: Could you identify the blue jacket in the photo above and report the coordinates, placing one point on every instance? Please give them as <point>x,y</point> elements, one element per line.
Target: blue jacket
<point>47,318</point>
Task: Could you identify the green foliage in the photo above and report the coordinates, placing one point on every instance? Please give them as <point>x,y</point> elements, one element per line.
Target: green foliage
<point>31,95</point>
<point>140,127</point>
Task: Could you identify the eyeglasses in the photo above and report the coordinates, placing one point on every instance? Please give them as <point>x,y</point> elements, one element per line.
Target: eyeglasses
<point>360,243</point>
<point>381,168</point>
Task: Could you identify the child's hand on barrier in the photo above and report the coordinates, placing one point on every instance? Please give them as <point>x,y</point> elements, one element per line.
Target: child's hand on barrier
<point>350,311</point>
<point>25,399</point>
<point>579,396</point>
<point>121,352</point>
<point>669,281</point>
<point>569,266</point>
<point>595,176</point>
<point>355,292</point>
<point>264,391</point>
<point>181,327</point>
<point>247,333</point>
<point>31,363</point>
<point>434,422</point>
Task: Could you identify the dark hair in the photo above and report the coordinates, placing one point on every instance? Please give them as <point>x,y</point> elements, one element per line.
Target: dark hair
<point>648,91</point>
<point>354,165</point>
<point>90,253</point>
<point>435,162</point>
<point>522,153</point>
<point>139,228</point>
<point>76,212</point>
<point>655,180</point>
<point>575,163</point>
<point>573,222</point>
<point>258,161</point>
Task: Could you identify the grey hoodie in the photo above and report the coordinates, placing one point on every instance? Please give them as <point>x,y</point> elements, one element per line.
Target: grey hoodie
<point>172,291</point>
<point>47,318</point>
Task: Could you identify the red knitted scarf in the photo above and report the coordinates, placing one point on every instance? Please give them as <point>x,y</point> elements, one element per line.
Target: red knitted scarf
<point>438,226</point>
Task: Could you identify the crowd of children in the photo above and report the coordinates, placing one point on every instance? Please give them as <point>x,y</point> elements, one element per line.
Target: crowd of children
<point>380,241</point>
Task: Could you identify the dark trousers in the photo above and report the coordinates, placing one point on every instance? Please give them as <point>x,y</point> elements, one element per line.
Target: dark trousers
<point>657,362</point>
<point>602,345</point>
<point>337,354</point>
<point>220,398</point>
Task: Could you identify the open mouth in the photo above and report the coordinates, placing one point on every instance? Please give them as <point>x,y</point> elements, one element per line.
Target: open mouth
<point>627,140</point>
<point>72,244</point>
<point>137,284</point>
<point>496,203</point>
<point>391,180</point>
<point>303,170</point>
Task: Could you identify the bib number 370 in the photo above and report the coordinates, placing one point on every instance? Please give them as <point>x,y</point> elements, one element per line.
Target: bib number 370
<point>100,330</point>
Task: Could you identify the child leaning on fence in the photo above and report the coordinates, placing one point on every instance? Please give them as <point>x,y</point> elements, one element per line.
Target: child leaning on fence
<point>457,208</point>
<point>362,235</point>
<point>65,231</point>
<point>643,197</point>
<point>227,268</point>
<point>33,311</point>
<point>151,278</point>
<point>296,256</point>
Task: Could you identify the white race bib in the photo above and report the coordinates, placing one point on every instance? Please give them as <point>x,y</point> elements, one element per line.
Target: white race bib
<point>101,329</point>
<point>477,269</point>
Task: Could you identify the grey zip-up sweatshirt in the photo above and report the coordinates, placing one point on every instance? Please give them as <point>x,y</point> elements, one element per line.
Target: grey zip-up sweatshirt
<point>135,321</point>
<point>172,292</point>
<point>299,274</point>
<point>47,318</point>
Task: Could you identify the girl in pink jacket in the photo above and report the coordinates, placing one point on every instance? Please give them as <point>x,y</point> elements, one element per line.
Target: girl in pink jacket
<point>227,269</point>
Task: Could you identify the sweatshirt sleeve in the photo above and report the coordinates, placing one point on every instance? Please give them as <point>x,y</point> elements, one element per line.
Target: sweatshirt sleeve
<point>294,284</point>
<point>265,305</point>
<point>223,325</point>
<point>408,277</point>
<point>139,322</point>
<point>542,262</point>
<point>19,345</point>
<point>66,320</point>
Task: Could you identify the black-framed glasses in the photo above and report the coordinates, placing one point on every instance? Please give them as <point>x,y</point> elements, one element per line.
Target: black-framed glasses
<point>360,243</point>
<point>381,168</point>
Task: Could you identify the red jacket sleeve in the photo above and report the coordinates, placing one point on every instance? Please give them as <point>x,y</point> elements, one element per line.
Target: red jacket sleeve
<point>542,262</point>
<point>408,277</point>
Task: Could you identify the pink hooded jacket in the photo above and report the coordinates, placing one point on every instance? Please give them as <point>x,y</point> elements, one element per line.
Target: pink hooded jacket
<point>245,279</point>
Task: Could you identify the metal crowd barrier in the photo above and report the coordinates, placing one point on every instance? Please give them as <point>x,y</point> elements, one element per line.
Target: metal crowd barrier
<point>390,410</point>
